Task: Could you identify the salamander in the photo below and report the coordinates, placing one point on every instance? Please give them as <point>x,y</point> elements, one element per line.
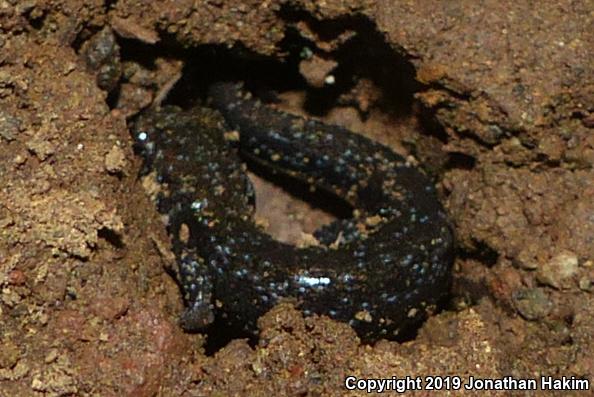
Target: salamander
<point>382,271</point>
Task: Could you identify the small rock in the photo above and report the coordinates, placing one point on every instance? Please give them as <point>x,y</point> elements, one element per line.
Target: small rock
<point>51,356</point>
<point>316,70</point>
<point>431,72</point>
<point>128,29</point>
<point>526,260</point>
<point>16,277</point>
<point>110,308</point>
<point>115,160</point>
<point>131,99</point>
<point>19,160</point>
<point>9,354</point>
<point>588,121</point>
<point>558,272</point>
<point>585,284</point>
<point>40,146</point>
<point>5,79</point>
<point>26,6</point>
<point>9,126</point>
<point>532,304</point>
<point>102,55</point>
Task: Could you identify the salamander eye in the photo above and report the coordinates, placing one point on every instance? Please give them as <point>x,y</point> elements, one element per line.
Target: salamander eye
<point>141,136</point>
<point>144,145</point>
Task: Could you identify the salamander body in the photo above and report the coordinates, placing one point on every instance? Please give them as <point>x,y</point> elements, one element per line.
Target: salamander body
<point>382,271</point>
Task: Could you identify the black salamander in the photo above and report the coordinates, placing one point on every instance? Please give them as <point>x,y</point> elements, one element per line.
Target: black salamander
<point>389,266</point>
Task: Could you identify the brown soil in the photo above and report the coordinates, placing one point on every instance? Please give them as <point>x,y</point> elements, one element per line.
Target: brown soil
<point>501,112</point>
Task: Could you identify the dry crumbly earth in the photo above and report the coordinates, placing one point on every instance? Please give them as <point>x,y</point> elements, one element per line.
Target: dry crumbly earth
<point>86,304</point>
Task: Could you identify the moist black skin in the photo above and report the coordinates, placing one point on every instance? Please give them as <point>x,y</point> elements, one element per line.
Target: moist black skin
<point>388,267</point>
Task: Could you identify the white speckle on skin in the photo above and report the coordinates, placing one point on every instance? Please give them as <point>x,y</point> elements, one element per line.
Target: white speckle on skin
<point>312,281</point>
<point>198,205</point>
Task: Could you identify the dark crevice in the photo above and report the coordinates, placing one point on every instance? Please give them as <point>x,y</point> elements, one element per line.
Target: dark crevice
<point>112,97</point>
<point>430,126</point>
<point>460,161</point>
<point>365,54</point>
<point>36,23</point>
<point>482,253</point>
<point>468,292</point>
<point>220,334</point>
<point>262,76</point>
<point>82,37</point>
<point>110,4</point>
<point>111,237</point>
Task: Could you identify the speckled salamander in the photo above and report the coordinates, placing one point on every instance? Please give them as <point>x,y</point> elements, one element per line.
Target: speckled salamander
<point>390,263</point>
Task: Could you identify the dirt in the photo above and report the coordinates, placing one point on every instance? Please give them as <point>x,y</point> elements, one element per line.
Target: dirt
<point>495,100</point>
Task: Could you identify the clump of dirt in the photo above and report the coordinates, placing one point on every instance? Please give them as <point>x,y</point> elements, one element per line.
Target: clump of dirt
<point>496,102</point>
